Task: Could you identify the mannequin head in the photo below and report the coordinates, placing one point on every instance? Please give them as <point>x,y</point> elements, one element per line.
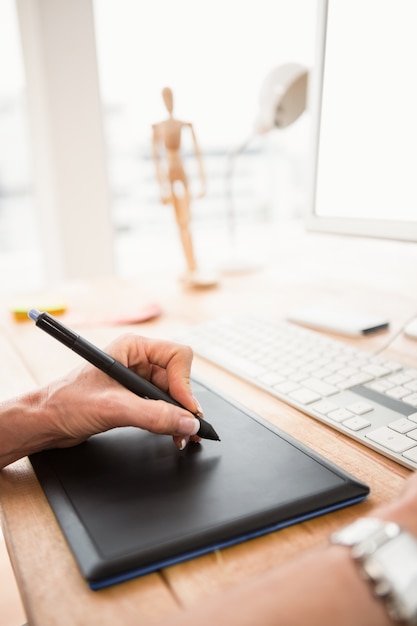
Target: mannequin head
<point>168,99</point>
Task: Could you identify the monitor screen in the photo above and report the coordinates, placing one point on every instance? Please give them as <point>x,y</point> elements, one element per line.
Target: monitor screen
<point>363,102</point>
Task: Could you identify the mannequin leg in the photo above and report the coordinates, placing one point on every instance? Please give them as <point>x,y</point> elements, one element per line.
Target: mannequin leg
<point>194,277</point>
<point>182,214</point>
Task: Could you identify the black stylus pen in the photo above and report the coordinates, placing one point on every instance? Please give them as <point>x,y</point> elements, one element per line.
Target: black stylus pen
<point>111,367</point>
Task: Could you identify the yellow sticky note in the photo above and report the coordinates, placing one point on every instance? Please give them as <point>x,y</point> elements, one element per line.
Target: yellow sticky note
<point>20,313</point>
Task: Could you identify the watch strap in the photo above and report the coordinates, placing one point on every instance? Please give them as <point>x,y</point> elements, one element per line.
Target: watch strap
<point>387,557</point>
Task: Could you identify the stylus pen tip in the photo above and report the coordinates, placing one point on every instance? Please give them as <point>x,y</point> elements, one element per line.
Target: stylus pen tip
<point>207,431</point>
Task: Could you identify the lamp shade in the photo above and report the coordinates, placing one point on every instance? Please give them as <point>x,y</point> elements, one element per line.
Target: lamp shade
<point>282,97</point>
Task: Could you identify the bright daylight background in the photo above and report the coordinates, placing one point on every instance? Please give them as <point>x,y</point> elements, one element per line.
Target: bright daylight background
<point>214,56</point>
<point>369,100</point>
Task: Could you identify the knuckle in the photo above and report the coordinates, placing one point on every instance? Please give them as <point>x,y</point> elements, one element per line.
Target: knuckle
<point>162,421</point>
<point>186,351</point>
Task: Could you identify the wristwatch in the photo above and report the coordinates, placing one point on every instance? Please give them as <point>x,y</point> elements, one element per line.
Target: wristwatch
<point>387,557</point>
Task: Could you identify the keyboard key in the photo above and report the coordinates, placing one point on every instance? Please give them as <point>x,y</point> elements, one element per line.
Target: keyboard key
<point>361,378</point>
<point>397,392</point>
<point>334,379</point>
<point>376,370</point>
<point>393,366</point>
<point>402,425</point>
<point>411,454</point>
<point>380,385</point>
<point>357,379</point>
<point>270,379</point>
<point>358,363</point>
<point>286,371</point>
<point>308,368</point>
<point>400,379</point>
<point>324,389</point>
<point>411,385</point>
<point>356,423</point>
<point>339,415</point>
<point>245,366</point>
<point>304,396</point>
<point>324,407</point>
<point>411,399</point>
<point>298,377</point>
<point>390,439</point>
<point>347,372</point>
<point>359,408</point>
<point>286,387</point>
<point>335,366</point>
<point>321,372</point>
<point>322,362</point>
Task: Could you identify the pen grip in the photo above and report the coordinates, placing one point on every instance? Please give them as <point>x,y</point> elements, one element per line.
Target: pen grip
<point>92,354</point>
<point>106,363</point>
<point>140,386</point>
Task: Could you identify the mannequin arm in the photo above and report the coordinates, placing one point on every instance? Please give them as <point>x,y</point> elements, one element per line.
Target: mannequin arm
<point>200,163</point>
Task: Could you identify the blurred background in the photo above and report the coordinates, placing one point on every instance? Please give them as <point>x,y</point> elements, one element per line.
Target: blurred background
<point>214,56</point>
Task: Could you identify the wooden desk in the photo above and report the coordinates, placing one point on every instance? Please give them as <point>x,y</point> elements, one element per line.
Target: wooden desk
<point>375,276</point>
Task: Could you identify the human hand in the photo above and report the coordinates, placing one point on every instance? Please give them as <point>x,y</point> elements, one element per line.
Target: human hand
<point>403,508</point>
<point>87,401</point>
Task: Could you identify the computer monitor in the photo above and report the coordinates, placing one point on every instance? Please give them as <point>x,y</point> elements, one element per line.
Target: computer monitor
<point>363,103</point>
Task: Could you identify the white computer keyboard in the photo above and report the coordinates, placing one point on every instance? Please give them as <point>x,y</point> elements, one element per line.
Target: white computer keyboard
<point>369,398</point>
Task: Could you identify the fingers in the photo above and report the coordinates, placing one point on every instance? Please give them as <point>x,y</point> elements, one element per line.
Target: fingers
<point>166,364</point>
<point>182,441</point>
<point>403,509</point>
<point>188,426</point>
<point>156,416</point>
<point>159,417</point>
<point>163,418</point>
<point>172,367</point>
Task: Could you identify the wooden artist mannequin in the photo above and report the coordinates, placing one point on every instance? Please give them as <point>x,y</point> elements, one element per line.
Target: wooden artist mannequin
<point>173,181</point>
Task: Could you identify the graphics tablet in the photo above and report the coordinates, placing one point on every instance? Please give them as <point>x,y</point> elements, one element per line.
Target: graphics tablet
<point>130,503</point>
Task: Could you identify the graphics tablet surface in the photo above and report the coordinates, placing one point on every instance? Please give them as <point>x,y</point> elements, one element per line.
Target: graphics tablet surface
<point>130,503</point>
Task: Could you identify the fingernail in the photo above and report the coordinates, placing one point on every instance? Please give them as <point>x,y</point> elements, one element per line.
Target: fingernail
<point>188,426</point>
<point>198,407</point>
<point>184,442</point>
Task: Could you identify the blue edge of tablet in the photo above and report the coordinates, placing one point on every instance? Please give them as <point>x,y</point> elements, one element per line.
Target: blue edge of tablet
<point>152,567</point>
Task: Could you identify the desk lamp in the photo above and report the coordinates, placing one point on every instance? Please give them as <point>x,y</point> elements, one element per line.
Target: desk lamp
<point>282,100</point>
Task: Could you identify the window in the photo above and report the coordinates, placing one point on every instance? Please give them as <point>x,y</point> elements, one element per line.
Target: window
<point>214,56</point>
<point>19,249</point>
